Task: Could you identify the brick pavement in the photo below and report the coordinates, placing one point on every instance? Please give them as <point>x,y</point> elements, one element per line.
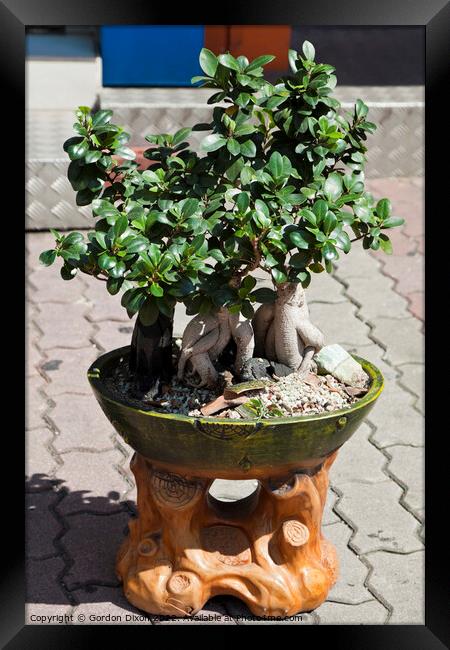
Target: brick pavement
<point>80,493</point>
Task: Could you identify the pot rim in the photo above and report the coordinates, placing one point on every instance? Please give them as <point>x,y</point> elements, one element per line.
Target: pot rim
<point>95,379</point>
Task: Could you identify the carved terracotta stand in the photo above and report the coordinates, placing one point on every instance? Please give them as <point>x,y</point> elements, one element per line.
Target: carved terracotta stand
<point>267,549</point>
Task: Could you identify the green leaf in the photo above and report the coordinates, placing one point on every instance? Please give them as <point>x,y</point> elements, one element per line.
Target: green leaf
<point>260,61</point>
<point>106,261</point>
<point>154,254</point>
<point>329,251</point>
<point>125,152</point>
<point>233,146</point>
<point>120,225</point>
<point>77,151</point>
<point>332,187</point>
<point>361,109</point>
<point>293,57</point>
<point>385,244</point>
<point>392,222</point>
<point>384,209</point>
<point>297,239</point>
<point>92,156</point>
<point>264,295</point>
<point>156,290</point>
<point>275,165</point>
<point>242,202</point>
<point>308,50</point>
<point>278,275</point>
<point>47,257</point>
<point>208,62</point>
<point>180,135</point>
<point>229,61</point>
<point>100,118</point>
<point>213,142</point>
<point>113,285</point>
<point>320,208</point>
<point>248,149</point>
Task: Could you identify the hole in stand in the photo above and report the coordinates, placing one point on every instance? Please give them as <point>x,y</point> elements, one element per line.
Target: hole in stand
<point>231,499</point>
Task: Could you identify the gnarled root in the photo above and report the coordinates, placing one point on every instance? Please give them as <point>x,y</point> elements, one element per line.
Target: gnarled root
<point>206,337</point>
<point>284,332</point>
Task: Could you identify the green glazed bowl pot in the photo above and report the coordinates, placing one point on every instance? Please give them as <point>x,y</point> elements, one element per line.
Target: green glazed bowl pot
<point>216,447</point>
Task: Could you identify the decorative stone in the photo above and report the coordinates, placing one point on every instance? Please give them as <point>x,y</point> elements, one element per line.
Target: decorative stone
<point>334,360</point>
<point>259,368</point>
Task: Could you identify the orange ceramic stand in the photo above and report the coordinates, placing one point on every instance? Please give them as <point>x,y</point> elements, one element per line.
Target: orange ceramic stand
<point>267,549</point>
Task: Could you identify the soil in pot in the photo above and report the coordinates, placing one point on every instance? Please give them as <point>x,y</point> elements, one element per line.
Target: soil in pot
<point>262,398</point>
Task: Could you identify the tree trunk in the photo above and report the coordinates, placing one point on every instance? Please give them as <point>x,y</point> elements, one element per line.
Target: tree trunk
<point>151,354</point>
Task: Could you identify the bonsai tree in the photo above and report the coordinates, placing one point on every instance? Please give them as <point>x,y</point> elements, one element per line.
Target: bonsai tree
<point>278,186</point>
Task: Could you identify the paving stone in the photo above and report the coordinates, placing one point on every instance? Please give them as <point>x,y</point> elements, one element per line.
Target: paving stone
<point>92,543</point>
<point>36,404</point>
<point>402,337</point>
<point>105,605</point>
<point>370,613</point>
<point>42,579</point>
<point>325,288</point>
<point>413,377</point>
<point>375,354</point>
<point>358,264</point>
<point>113,334</point>
<point>243,616</point>
<point>41,525</point>
<point>408,465</point>
<point>381,522</point>
<point>104,307</point>
<point>395,418</point>
<point>421,244</point>
<point>39,463</point>
<point>417,304</point>
<point>339,324</point>
<point>35,243</point>
<point>92,482</point>
<point>66,370</point>
<point>407,271</point>
<point>81,424</point>
<point>225,490</point>
<point>45,289</point>
<point>64,326</point>
<point>400,579</point>
<point>402,244</point>
<point>32,359</point>
<point>377,298</point>
<point>358,461</point>
<point>329,516</point>
<point>349,587</point>
<point>40,614</point>
<point>213,613</point>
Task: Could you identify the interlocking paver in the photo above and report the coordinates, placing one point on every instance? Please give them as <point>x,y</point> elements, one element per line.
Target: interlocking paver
<point>80,423</point>
<point>41,614</point>
<point>400,579</point>
<point>359,461</point>
<point>349,587</point>
<point>36,403</point>
<point>113,334</point>
<point>413,378</point>
<point>372,304</point>
<point>41,524</point>
<point>64,325</point>
<point>92,482</point>
<point>339,323</point>
<point>42,580</point>
<point>379,519</point>
<point>66,369</point>
<point>92,542</point>
<point>101,605</point>
<point>408,465</point>
<point>39,463</point>
<point>213,613</point>
<point>338,613</point>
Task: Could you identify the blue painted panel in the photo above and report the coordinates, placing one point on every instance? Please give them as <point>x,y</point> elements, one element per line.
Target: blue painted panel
<point>150,55</point>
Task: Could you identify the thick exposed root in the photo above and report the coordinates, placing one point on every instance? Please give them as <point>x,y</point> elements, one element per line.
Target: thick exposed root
<point>206,337</point>
<point>287,332</point>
